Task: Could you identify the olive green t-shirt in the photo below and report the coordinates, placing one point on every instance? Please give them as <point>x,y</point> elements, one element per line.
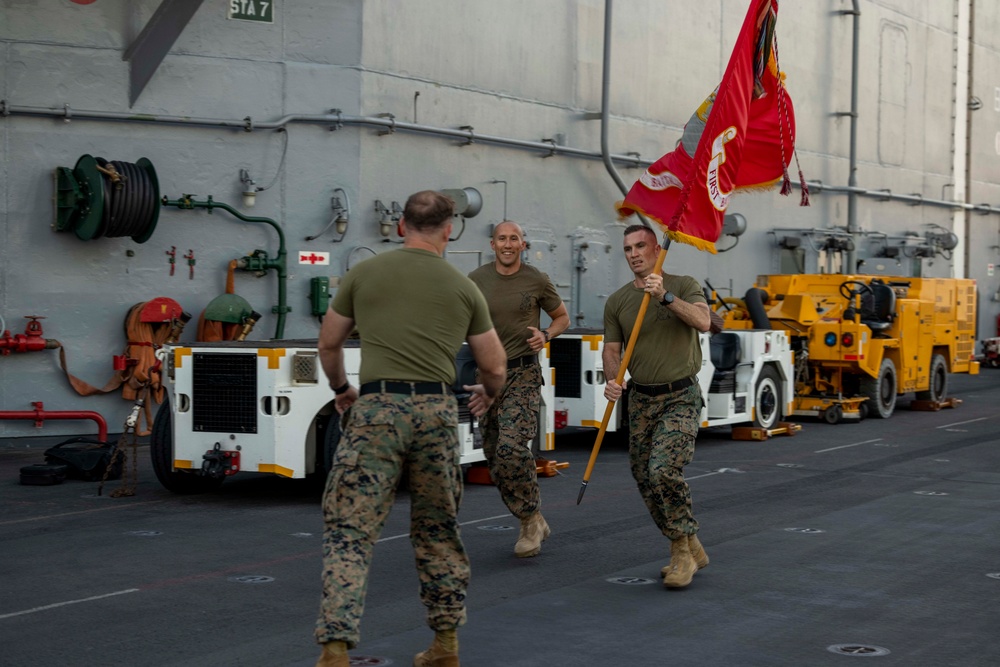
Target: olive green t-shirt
<point>667,349</point>
<point>413,310</point>
<point>515,303</point>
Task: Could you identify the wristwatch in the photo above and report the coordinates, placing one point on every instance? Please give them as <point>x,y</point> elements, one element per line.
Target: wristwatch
<point>546,332</point>
<point>668,298</point>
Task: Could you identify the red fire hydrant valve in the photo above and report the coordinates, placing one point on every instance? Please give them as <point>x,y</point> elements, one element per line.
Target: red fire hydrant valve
<point>30,341</point>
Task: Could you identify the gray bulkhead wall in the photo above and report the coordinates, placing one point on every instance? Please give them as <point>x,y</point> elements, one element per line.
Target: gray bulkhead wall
<point>984,248</point>
<point>517,69</point>
<point>57,53</point>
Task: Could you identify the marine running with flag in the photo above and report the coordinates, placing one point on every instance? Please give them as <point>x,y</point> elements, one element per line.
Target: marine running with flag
<point>739,139</point>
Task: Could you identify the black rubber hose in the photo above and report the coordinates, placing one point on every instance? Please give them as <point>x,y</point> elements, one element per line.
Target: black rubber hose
<point>105,209</point>
<point>135,195</point>
<point>117,206</point>
<point>145,197</point>
<point>107,215</point>
<point>755,299</point>
<point>131,206</point>
<point>148,199</point>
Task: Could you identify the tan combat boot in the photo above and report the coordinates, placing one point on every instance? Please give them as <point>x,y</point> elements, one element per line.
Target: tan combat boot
<point>436,656</point>
<point>682,566</point>
<point>334,655</point>
<point>697,552</point>
<point>534,531</point>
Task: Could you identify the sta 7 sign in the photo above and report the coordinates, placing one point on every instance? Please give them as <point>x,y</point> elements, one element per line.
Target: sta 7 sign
<point>261,11</point>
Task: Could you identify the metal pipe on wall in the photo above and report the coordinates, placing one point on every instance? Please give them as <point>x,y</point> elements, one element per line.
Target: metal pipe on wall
<point>961,95</point>
<point>605,96</point>
<point>337,119</point>
<point>258,261</point>
<point>969,108</point>
<point>40,414</point>
<point>852,176</point>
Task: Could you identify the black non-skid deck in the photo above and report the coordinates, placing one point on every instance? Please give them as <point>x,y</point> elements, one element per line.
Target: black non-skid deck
<point>878,540</point>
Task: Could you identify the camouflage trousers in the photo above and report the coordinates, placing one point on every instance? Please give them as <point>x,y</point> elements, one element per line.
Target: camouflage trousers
<point>385,434</point>
<point>508,429</point>
<point>662,432</point>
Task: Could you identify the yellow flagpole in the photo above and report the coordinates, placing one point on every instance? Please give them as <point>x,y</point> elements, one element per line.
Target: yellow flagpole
<point>621,373</point>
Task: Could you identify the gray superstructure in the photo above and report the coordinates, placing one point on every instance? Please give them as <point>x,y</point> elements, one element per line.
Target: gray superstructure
<point>379,99</point>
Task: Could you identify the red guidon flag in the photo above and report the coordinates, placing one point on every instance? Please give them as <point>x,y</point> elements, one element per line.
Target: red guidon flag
<point>740,138</point>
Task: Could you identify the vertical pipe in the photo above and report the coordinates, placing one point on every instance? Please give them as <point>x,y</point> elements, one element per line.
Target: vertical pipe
<point>852,176</point>
<point>605,94</point>
<point>965,215</point>
<point>960,149</point>
<point>279,263</point>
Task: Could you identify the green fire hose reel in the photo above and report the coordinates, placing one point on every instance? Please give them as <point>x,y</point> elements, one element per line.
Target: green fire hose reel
<point>98,197</point>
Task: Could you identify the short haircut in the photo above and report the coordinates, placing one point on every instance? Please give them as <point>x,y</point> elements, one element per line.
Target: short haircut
<point>520,230</point>
<point>632,229</point>
<point>428,210</point>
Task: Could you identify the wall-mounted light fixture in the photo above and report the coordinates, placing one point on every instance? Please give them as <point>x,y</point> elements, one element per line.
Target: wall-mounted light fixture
<point>341,213</point>
<point>341,216</point>
<point>468,201</point>
<point>468,204</point>
<point>734,225</point>
<point>249,189</point>
<point>388,217</point>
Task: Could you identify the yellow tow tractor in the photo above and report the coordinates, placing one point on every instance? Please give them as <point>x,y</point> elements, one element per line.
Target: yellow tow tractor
<point>862,341</point>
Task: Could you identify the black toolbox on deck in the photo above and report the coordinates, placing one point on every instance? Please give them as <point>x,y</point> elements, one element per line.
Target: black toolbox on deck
<point>43,474</point>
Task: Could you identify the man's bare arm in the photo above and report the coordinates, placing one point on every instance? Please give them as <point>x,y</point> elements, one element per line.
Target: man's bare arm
<point>560,320</point>
<point>491,360</point>
<point>335,330</point>
<point>695,315</point>
<point>611,355</point>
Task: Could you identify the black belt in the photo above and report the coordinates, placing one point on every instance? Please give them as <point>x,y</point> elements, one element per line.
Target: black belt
<point>657,389</point>
<point>397,387</point>
<point>520,362</point>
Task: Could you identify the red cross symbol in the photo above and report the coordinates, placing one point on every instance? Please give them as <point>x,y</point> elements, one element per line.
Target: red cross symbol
<point>312,258</point>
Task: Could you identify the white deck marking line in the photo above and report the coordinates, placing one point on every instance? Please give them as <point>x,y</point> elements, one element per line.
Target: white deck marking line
<point>489,518</point>
<point>965,422</point>
<point>135,590</point>
<point>707,474</point>
<point>95,509</point>
<point>464,523</point>
<point>864,442</point>
<point>68,602</point>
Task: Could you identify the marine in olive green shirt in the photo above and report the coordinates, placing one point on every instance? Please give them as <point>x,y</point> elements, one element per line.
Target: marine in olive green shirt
<point>517,294</point>
<point>391,327</point>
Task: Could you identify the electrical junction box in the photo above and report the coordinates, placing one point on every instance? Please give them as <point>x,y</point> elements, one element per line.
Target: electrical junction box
<point>319,295</point>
